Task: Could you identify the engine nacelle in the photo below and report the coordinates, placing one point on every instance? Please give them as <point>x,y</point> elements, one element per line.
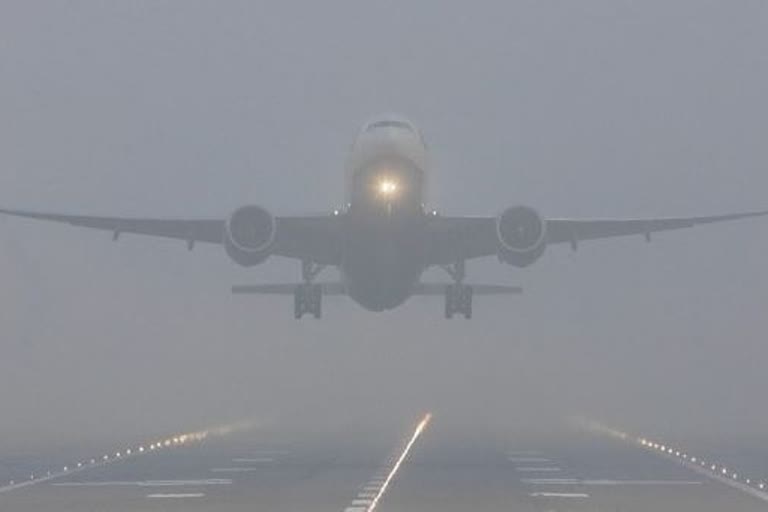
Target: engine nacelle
<point>250,234</point>
<point>522,235</point>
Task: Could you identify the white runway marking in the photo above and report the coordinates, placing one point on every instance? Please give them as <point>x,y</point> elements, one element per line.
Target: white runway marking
<point>538,469</point>
<point>551,481</point>
<point>373,503</point>
<point>178,495</point>
<point>528,459</point>
<point>598,483</point>
<point>559,495</point>
<point>757,488</point>
<point>359,503</point>
<point>129,453</point>
<point>147,483</point>
<point>366,495</point>
<point>233,470</point>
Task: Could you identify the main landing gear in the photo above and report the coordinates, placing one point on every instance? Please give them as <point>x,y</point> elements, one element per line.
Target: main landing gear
<point>308,296</point>
<point>458,296</point>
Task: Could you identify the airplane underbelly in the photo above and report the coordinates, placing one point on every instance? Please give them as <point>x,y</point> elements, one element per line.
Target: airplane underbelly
<point>382,264</point>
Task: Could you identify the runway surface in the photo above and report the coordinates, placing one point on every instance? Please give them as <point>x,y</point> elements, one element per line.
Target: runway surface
<point>445,471</point>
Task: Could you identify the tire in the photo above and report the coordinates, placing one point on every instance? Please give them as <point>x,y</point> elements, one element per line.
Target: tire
<point>298,303</point>
<point>449,301</point>
<point>467,302</point>
<point>317,301</point>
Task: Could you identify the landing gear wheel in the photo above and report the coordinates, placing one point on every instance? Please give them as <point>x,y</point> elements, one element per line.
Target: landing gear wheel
<point>298,303</point>
<point>317,300</point>
<point>449,303</point>
<point>466,301</point>
<point>458,300</point>
<point>308,298</point>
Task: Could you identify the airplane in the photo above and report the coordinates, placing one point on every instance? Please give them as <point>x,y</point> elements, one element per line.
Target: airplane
<point>384,238</point>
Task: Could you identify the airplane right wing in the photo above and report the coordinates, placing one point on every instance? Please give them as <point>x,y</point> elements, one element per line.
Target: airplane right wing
<point>575,230</point>
<point>453,239</point>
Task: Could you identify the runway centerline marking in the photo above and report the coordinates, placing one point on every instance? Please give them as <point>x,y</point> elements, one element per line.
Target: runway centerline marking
<point>380,486</point>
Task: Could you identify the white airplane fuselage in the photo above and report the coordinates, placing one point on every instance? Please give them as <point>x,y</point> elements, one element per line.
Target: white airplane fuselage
<point>386,180</point>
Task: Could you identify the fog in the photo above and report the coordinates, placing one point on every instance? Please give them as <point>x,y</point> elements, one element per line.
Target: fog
<point>190,109</point>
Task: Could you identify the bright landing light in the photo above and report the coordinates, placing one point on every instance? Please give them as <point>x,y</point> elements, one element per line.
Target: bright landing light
<point>388,187</point>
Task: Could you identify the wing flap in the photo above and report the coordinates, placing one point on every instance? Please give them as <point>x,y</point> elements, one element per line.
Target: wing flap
<point>433,289</point>
<point>337,288</point>
<point>285,289</point>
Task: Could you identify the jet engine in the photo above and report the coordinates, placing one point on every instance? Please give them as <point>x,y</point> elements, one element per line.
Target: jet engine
<point>250,234</point>
<point>522,235</point>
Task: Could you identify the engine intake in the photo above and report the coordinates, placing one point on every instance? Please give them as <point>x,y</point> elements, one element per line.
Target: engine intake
<point>522,235</point>
<point>250,234</point>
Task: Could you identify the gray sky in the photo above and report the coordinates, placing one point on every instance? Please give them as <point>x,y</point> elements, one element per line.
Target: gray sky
<point>590,108</point>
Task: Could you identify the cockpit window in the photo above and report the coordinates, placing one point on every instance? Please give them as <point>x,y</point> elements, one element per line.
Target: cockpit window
<point>389,124</point>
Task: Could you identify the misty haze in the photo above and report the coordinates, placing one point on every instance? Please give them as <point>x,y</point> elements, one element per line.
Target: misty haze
<point>420,157</point>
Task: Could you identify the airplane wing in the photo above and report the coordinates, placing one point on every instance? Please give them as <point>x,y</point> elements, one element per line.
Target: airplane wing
<point>575,230</point>
<point>310,237</point>
<point>456,238</point>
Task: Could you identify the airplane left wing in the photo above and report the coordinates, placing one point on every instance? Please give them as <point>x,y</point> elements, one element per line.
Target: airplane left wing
<point>199,230</point>
<point>314,238</point>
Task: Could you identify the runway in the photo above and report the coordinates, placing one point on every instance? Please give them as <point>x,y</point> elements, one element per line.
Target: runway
<point>444,471</point>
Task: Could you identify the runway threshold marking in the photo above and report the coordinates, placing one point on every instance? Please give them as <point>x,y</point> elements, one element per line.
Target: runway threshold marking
<point>368,499</point>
